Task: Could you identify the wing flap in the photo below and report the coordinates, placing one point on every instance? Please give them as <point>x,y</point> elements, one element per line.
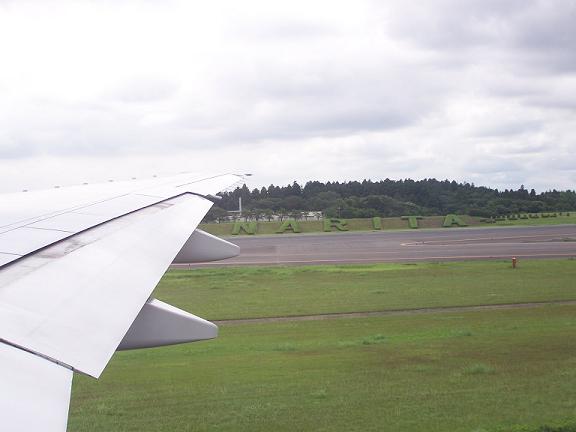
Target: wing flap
<point>35,392</point>
<point>19,241</point>
<point>6,258</point>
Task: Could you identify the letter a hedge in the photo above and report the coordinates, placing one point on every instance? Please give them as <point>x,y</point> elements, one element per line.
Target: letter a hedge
<point>289,224</point>
<point>453,220</point>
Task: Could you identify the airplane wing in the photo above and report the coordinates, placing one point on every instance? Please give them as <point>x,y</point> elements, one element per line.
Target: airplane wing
<point>77,268</point>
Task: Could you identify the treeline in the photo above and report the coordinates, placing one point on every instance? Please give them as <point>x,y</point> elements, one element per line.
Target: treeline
<point>388,198</point>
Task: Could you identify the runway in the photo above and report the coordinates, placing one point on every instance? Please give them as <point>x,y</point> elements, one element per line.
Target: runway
<point>404,246</point>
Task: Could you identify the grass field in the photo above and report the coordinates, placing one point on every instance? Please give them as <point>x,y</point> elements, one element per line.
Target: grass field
<point>491,371</point>
<point>222,293</point>
<point>394,223</point>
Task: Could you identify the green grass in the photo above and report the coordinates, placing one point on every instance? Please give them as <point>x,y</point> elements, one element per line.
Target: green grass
<point>221,293</point>
<point>493,370</point>
<point>513,370</point>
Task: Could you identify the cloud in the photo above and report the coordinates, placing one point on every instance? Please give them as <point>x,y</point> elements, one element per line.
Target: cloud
<point>482,90</point>
<point>506,129</point>
<point>145,90</point>
<point>493,165</point>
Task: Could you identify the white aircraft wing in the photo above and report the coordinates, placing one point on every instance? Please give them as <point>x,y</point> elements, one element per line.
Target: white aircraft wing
<point>77,268</point>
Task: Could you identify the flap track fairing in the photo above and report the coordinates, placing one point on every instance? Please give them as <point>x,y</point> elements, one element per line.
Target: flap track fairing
<point>160,324</point>
<point>203,247</point>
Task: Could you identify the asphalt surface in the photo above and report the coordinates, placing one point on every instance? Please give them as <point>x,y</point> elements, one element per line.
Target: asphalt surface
<point>405,246</point>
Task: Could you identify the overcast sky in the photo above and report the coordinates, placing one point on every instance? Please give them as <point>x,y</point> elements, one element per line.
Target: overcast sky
<point>482,91</point>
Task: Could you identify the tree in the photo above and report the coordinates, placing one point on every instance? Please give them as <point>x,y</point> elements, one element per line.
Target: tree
<point>397,198</point>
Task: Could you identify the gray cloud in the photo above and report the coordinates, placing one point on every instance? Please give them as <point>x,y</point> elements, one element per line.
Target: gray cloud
<point>493,165</point>
<point>452,24</point>
<point>482,90</point>
<point>531,37</point>
<point>507,129</point>
<point>290,30</point>
<point>523,148</point>
<point>145,90</point>
<point>559,162</point>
